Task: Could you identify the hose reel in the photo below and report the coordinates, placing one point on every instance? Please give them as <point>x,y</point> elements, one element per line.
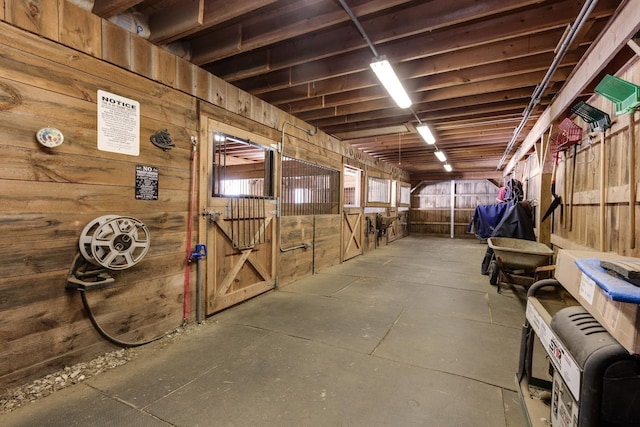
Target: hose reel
<point>114,242</point>
<point>108,243</point>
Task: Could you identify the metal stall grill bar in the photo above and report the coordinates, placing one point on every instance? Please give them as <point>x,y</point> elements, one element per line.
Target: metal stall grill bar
<point>308,189</point>
<point>248,219</point>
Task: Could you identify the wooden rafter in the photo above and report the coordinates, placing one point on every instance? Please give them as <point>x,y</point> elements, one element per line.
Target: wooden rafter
<point>466,64</point>
<point>109,8</point>
<point>624,25</point>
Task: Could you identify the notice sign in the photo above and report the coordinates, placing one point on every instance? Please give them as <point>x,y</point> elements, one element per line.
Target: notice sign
<point>146,182</point>
<point>118,124</point>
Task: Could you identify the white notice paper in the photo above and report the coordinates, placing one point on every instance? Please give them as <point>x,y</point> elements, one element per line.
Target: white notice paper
<point>118,124</point>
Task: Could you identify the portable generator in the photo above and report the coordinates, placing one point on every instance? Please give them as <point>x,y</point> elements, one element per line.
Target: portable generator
<point>594,381</point>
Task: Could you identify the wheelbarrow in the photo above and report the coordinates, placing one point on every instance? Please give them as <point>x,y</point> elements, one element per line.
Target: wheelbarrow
<point>518,261</point>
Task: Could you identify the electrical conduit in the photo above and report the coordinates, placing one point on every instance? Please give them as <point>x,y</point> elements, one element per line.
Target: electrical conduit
<point>586,10</point>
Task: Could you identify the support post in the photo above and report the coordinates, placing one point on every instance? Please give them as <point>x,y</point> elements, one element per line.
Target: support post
<point>603,190</point>
<point>632,180</point>
<point>453,207</point>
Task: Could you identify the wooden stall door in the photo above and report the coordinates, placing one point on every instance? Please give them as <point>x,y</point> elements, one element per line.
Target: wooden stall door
<point>352,233</point>
<point>237,271</point>
<point>393,229</point>
<point>240,234</point>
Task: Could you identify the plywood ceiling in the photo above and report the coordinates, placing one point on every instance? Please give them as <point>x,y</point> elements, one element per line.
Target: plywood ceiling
<point>470,66</point>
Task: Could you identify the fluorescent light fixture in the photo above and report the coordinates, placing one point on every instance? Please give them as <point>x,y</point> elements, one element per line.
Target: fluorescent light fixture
<point>440,155</point>
<point>448,167</point>
<point>390,81</point>
<point>426,134</point>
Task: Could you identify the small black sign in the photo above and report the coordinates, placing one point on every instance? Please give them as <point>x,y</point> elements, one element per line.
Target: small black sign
<point>146,182</point>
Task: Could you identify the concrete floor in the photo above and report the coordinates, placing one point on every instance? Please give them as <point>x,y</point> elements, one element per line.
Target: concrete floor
<point>410,334</point>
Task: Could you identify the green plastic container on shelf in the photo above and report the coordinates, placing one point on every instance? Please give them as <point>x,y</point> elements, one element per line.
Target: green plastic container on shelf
<point>624,95</point>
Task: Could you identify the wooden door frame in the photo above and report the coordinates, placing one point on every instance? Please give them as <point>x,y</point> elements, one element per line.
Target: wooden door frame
<point>205,189</point>
<point>346,211</point>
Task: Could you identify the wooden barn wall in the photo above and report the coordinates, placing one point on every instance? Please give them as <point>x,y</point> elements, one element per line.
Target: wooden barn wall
<point>576,223</point>
<point>534,178</point>
<point>372,240</point>
<point>398,219</point>
<point>403,223</point>
<point>327,233</point>
<point>320,233</point>
<point>49,195</point>
<point>431,205</point>
<point>314,230</point>
<point>398,228</point>
<point>296,231</point>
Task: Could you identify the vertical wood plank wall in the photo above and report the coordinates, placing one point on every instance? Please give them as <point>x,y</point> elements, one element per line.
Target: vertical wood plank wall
<point>49,195</point>
<point>53,59</point>
<point>582,229</point>
<point>431,205</point>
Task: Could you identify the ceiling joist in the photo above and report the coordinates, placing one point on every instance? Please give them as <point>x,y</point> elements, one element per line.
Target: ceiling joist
<point>470,66</point>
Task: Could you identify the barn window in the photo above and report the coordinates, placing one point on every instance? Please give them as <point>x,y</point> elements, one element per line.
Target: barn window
<point>309,189</point>
<point>405,195</point>
<point>241,168</point>
<point>394,194</point>
<point>379,191</point>
<point>351,187</point>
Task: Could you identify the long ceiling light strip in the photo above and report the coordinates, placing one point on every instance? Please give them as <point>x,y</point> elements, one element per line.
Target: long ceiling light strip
<point>426,134</point>
<point>381,66</point>
<point>383,70</point>
<point>388,78</point>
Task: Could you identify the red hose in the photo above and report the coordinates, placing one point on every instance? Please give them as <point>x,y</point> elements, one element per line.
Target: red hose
<point>192,196</point>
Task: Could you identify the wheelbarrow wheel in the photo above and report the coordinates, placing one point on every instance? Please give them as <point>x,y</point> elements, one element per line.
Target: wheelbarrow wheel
<point>494,271</point>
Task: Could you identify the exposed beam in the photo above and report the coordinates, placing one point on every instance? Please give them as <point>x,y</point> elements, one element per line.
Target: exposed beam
<point>489,174</point>
<point>346,38</point>
<point>192,16</point>
<point>108,8</point>
<point>261,32</point>
<point>460,73</point>
<point>318,108</point>
<point>497,120</point>
<point>470,66</point>
<point>437,38</point>
<point>478,129</point>
<point>473,151</point>
<point>438,61</point>
<point>169,24</point>
<point>480,93</point>
<point>374,132</point>
<point>635,45</point>
<point>348,126</point>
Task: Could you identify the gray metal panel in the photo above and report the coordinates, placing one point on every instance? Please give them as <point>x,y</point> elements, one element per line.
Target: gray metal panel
<point>582,334</point>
